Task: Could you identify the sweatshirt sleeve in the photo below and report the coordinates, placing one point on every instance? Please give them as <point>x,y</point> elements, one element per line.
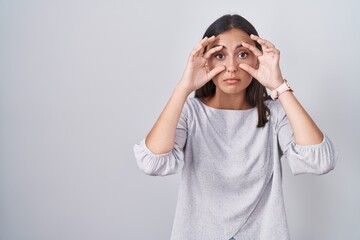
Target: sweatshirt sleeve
<point>313,159</point>
<point>167,163</point>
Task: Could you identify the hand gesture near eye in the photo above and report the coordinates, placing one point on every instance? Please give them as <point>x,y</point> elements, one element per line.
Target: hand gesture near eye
<point>268,72</point>
<point>197,73</point>
<point>161,138</point>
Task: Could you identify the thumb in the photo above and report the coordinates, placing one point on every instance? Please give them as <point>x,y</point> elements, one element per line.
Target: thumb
<point>252,71</point>
<point>215,71</point>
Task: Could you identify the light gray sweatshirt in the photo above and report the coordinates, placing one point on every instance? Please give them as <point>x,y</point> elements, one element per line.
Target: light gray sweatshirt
<point>231,171</point>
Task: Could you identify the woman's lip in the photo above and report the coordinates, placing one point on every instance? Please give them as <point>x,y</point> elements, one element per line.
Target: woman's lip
<point>232,80</point>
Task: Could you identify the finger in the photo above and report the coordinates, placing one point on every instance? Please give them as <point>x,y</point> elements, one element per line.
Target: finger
<point>210,39</point>
<point>199,49</point>
<point>211,51</point>
<point>252,71</point>
<point>215,71</point>
<point>273,51</point>
<point>253,49</point>
<point>262,42</point>
<point>196,51</point>
<point>206,41</point>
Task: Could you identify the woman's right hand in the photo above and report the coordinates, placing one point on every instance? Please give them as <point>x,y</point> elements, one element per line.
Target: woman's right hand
<point>161,138</point>
<point>197,73</point>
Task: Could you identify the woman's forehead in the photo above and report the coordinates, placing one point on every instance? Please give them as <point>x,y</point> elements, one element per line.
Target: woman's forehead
<point>233,34</point>
<point>233,38</point>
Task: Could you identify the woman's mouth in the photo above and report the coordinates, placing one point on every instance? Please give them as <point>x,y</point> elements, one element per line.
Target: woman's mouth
<point>232,80</point>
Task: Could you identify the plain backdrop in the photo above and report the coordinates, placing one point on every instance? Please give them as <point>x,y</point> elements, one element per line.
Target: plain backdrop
<point>82,81</point>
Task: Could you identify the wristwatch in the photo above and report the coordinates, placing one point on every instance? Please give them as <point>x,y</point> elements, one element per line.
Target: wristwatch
<point>280,90</point>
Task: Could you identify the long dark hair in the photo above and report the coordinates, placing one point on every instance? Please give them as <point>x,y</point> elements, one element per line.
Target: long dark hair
<point>255,93</point>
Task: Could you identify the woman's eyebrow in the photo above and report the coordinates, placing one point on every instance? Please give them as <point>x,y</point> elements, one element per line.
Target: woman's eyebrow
<point>239,46</point>
<point>217,45</point>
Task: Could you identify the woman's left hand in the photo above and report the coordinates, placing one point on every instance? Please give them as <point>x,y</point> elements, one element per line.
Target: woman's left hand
<point>268,70</point>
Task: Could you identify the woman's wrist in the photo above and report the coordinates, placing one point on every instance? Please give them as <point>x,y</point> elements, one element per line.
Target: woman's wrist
<point>182,90</point>
<point>275,84</point>
<point>180,93</point>
<point>282,88</point>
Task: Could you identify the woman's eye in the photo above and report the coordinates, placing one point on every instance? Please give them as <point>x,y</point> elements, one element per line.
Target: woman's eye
<point>219,56</point>
<point>243,55</point>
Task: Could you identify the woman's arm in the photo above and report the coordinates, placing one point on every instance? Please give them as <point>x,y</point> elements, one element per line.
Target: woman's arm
<point>305,130</point>
<point>269,75</point>
<point>162,136</point>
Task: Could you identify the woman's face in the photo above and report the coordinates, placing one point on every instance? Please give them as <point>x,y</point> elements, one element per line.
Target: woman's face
<point>233,80</point>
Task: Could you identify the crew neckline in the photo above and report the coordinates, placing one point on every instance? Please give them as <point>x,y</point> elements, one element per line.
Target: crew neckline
<point>223,110</point>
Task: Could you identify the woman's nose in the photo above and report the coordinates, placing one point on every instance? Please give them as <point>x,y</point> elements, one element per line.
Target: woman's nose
<point>232,65</point>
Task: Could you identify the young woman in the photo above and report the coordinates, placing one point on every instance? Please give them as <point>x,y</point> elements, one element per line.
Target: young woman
<point>229,139</point>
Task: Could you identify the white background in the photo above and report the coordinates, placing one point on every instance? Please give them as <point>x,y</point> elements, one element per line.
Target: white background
<point>82,81</point>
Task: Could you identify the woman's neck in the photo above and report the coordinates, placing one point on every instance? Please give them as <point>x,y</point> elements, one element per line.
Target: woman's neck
<point>227,101</point>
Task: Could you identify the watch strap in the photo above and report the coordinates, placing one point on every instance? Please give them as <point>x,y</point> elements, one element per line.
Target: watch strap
<point>280,90</point>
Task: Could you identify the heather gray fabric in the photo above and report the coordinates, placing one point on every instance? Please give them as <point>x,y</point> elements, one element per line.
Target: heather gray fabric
<point>231,171</point>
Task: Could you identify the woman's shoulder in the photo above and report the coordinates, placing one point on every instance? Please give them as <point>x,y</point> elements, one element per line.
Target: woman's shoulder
<point>276,110</point>
<point>191,106</point>
<point>272,105</point>
<point>193,103</point>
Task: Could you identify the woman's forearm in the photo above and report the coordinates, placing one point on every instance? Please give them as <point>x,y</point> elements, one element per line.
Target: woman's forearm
<point>162,136</point>
<point>305,130</point>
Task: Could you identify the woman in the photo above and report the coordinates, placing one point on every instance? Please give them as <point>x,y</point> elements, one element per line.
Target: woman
<point>229,139</point>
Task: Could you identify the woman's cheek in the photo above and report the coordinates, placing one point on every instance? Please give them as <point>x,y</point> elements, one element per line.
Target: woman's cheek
<point>251,60</point>
<point>214,63</point>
